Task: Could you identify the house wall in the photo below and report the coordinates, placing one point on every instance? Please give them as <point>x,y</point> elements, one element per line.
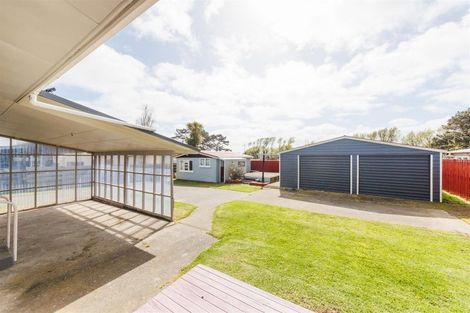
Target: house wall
<point>288,160</point>
<point>205,174</point>
<point>231,162</point>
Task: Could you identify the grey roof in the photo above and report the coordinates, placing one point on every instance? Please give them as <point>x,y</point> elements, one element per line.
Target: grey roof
<point>82,108</point>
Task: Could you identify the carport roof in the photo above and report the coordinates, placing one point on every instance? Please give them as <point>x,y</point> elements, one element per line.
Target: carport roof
<point>364,140</point>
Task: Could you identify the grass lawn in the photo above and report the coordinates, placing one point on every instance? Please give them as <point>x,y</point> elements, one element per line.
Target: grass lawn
<point>183,210</point>
<point>456,206</point>
<point>232,187</point>
<point>336,264</point>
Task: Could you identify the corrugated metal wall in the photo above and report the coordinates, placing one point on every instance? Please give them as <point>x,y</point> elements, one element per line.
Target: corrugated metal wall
<point>328,173</point>
<point>346,147</point>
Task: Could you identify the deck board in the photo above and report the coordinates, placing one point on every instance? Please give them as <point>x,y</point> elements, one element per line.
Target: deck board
<point>204,289</point>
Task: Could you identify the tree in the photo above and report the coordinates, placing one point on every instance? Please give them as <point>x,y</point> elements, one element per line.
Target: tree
<point>385,134</point>
<point>267,145</point>
<point>216,142</point>
<point>455,134</point>
<point>146,117</point>
<point>195,135</point>
<point>422,138</point>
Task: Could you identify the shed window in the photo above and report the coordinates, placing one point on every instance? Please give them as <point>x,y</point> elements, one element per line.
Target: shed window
<point>241,163</point>
<point>186,166</point>
<point>204,162</point>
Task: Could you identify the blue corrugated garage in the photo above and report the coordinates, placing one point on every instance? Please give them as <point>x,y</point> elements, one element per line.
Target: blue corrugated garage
<point>362,166</point>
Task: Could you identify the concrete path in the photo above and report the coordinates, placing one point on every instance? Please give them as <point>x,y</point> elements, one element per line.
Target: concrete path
<point>367,210</point>
<point>173,247</point>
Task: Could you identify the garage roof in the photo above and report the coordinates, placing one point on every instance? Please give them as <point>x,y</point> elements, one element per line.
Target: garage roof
<point>364,140</point>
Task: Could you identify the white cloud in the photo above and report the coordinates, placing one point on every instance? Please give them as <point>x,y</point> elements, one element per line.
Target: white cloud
<point>167,21</point>
<point>213,7</point>
<point>291,96</point>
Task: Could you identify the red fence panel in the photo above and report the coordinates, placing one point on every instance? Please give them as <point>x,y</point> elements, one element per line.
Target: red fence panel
<point>456,177</point>
<point>269,165</point>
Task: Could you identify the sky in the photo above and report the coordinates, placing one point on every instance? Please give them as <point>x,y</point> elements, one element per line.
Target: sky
<point>312,70</point>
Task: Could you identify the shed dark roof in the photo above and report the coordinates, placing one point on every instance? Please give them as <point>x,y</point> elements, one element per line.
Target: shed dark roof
<point>365,140</point>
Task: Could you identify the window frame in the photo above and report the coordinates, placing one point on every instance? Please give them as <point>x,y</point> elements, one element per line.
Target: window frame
<point>189,166</point>
<point>205,162</point>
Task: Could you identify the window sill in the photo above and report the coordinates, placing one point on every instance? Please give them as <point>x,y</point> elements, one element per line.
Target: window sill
<point>186,171</point>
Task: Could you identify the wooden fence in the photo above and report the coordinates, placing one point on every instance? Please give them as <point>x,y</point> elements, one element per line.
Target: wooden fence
<point>269,165</point>
<point>456,177</point>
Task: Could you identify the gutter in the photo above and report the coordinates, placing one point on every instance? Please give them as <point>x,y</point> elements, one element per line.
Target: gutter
<point>33,99</point>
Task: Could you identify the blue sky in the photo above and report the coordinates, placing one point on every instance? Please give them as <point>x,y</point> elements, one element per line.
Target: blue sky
<point>305,69</point>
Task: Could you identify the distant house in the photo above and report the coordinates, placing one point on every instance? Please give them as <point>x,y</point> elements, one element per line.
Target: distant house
<point>463,154</point>
<point>210,166</point>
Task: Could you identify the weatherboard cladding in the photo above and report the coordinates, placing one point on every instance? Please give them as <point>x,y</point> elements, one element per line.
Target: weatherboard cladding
<point>402,166</point>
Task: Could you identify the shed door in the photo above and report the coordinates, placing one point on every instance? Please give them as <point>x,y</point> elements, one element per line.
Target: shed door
<point>328,173</point>
<point>401,176</point>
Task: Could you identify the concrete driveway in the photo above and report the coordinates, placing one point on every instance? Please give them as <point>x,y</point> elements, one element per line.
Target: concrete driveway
<point>413,213</point>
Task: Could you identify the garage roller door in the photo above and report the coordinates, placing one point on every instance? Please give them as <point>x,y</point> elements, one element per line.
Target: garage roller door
<point>327,173</point>
<point>402,176</point>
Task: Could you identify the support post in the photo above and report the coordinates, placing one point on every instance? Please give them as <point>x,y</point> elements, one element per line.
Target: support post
<point>357,174</point>
<point>431,178</point>
<point>298,172</point>
<point>351,174</point>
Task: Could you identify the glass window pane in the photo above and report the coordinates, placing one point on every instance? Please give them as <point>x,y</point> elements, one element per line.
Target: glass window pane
<point>138,181</point>
<point>46,149</point>
<point>108,162</point>
<point>130,197</point>
<point>107,192</point>
<point>158,185</point>
<point>45,196</point>
<point>149,183</point>
<point>121,162</point>
<point>167,165</point>
<point>66,177</point>
<point>23,163</point>
<point>24,198</point>
<point>83,176</point>
<point>4,163</point>
<point>148,202</point>
<point>130,180</point>
<point>158,205</point>
<point>65,151</point>
<point>66,193</point>
<point>158,164</point>
<point>66,162</point>
<point>84,191</point>
<point>121,195</point>
<point>115,164</point>
<point>4,145</point>
<point>23,147</point>
<point>121,179</point>
<point>46,163</point>
<point>130,163</point>
<point>166,206</point>
<point>22,180</point>
<point>149,164</point>
<point>114,191</point>
<point>83,161</point>
<point>138,199</point>
<point>46,179</point>
<point>167,186</point>
<point>101,162</point>
<point>4,181</point>
<point>139,163</point>
<point>114,178</point>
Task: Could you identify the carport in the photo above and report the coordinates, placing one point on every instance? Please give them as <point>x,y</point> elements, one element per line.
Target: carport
<point>362,166</point>
<point>89,187</point>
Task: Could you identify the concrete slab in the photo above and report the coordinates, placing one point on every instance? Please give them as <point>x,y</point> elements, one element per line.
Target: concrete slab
<point>413,213</point>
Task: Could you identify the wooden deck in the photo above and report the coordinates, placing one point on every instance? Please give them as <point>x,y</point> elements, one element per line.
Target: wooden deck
<point>204,289</point>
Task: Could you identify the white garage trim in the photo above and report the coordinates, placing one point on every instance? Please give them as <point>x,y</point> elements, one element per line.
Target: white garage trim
<point>430,178</point>
<point>357,175</point>
<point>298,171</point>
<point>440,177</point>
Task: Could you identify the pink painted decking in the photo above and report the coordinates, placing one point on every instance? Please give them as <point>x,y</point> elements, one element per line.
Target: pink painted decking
<point>204,289</point>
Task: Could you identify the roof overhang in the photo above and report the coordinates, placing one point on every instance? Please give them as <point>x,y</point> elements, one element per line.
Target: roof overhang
<point>39,41</point>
